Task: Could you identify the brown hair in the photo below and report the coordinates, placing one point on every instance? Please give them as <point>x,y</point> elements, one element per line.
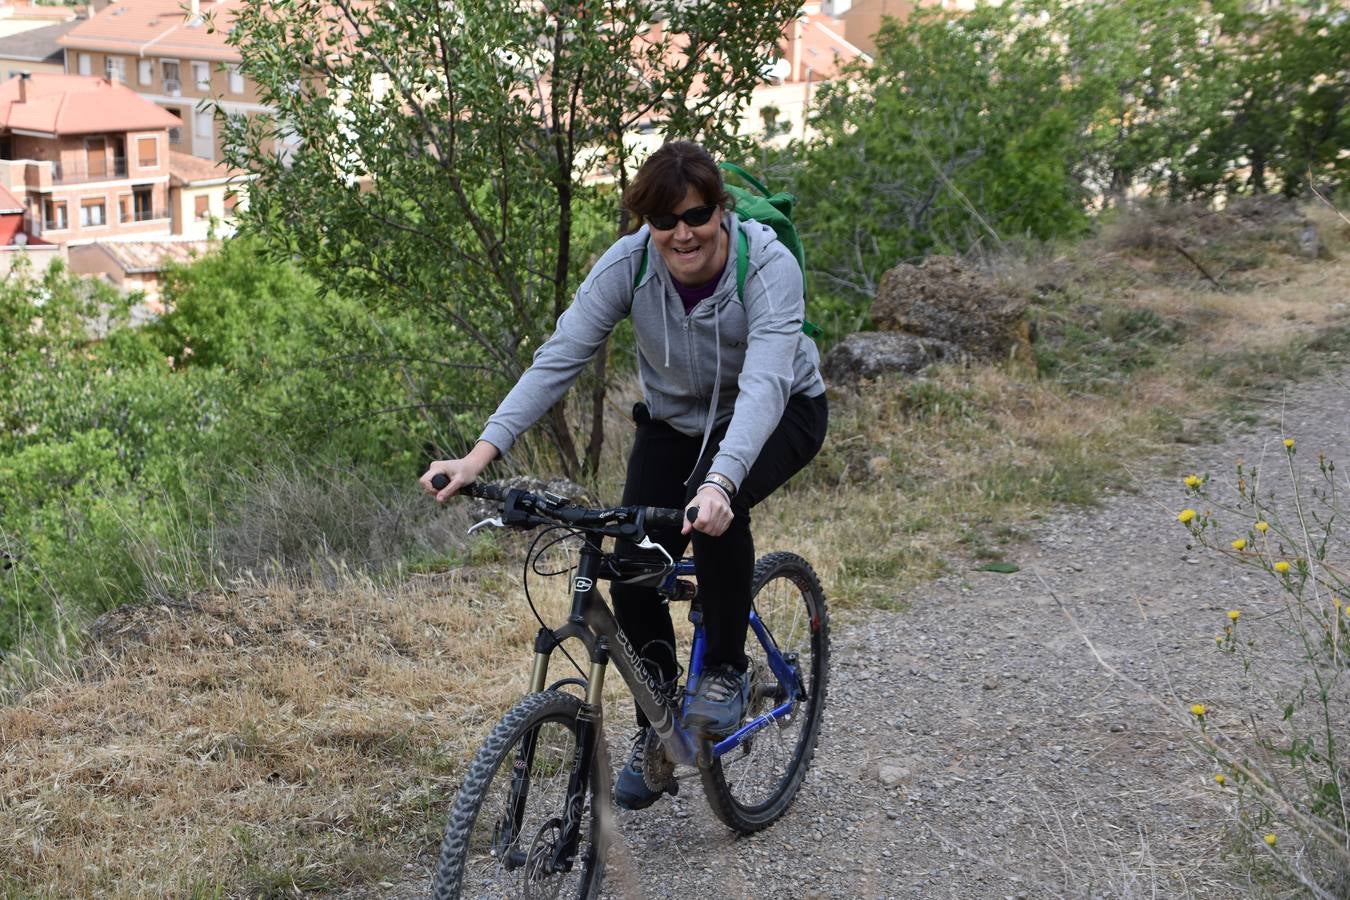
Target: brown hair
<point>667,174</point>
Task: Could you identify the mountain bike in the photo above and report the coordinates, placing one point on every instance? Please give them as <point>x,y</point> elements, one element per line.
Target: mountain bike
<point>533,817</point>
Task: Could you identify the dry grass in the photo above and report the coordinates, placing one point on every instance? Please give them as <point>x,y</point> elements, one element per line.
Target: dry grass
<point>273,739</point>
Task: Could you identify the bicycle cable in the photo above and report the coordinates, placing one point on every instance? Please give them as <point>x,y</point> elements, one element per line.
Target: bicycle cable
<point>531,557</point>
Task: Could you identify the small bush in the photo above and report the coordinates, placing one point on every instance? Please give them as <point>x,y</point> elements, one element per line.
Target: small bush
<point>1280,748</point>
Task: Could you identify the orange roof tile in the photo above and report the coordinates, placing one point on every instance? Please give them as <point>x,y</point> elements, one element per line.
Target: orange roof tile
<point>78,104</point>
<point>153,256</point>
<point>185,169</point>
<point>159,28</point>
<point>823,48</point>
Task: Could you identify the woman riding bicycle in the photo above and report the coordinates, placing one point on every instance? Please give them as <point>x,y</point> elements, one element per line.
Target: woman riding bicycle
<point>733,406</point>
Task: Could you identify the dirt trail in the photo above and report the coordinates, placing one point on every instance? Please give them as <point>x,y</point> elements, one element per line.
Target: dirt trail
<point>974,747</point>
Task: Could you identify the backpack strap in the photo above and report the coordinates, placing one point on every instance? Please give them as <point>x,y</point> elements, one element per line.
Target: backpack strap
<point>642,270</point>
<point>742,262</point>
<point>744,176</point>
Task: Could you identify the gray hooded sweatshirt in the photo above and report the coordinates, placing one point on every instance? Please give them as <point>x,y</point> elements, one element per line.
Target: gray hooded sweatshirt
<point>751,356</point>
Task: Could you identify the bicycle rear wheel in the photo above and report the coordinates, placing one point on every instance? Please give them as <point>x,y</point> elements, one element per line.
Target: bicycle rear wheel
<point>506,826</point>
<point>751,786</point>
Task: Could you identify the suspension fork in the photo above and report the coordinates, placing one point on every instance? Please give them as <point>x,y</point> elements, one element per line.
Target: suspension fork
<point>590,731</point>
<point>587,723</point>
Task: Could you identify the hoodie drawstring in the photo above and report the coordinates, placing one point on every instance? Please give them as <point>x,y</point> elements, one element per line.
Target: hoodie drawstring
<point>716,391</point>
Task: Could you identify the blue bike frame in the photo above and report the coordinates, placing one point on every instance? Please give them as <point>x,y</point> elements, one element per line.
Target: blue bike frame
<point>787,676</point>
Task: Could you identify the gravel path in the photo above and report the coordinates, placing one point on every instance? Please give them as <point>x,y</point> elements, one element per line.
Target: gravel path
<point>975,747</point>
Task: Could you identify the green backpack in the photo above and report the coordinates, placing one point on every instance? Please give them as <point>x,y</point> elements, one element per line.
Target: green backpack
<point>774,210</point>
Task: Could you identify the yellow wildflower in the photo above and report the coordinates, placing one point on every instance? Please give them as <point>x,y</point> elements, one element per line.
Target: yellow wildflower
<point>1185,516</point>
<point>1270,838</point>
<point>1233,614</point>
<point>1262,526</point>
<point>1218,639</point>
<point>1289,443</point>
<point>1221,778</point>
<point>1191,481</point>
<point>1198,710</point>
<point>1282,567</point>
<point>1240,544</point>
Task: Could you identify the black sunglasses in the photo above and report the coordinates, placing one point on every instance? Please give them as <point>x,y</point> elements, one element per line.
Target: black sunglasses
<point>695,217</point>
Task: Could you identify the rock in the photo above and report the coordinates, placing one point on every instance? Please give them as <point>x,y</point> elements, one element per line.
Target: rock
<point>870,354</point>
<point>1310,242</point>
<point>891,775</point>
<point>945,300</point>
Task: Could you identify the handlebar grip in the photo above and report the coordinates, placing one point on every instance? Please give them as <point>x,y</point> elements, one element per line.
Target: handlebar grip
<point>484,491</point>
<point>661,517</point>
<point>473,489</point>
<point>691,513</point>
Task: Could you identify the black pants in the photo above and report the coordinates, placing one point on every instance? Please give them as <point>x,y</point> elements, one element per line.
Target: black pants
<point>661,460</point>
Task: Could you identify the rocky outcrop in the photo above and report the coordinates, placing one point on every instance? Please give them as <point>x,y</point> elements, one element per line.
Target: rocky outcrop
<point>870,354</point>
<point>939,311</point>
<point>946,300</point>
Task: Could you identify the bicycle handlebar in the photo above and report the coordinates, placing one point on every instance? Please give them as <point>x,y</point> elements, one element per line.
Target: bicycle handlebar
<point>523,508</point>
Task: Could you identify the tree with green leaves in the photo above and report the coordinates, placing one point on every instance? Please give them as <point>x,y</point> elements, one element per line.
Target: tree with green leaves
<point>450,159</point>
<point>957,134</point>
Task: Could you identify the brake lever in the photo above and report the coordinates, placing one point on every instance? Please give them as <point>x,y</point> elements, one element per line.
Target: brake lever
<point>495,521</point>
<point>648,544</point>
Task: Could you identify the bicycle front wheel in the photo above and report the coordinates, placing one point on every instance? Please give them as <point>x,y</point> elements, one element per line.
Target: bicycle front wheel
<point>506,837</point>
<point>752,785</point>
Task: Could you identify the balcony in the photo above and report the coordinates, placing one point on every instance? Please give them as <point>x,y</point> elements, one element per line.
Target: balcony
<point>147,215</point>
<point>54,224</point>
<point>116,167</point>
<point>172,87</point>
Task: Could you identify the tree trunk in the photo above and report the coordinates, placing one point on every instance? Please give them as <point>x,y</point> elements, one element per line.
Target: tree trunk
<point>562,439</point>
<point>598,391</point>
<point>1258,176</point>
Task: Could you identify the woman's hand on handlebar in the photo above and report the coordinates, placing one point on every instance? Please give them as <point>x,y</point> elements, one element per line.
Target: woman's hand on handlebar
<point>460,472</point>
<point>714,512</point>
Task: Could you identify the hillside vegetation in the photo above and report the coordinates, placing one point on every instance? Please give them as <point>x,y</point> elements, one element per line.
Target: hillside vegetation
<point>304,728</point>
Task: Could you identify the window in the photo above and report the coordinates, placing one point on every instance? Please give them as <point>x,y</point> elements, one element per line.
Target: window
<point>55,214</point>
<point>143,203</point>
<point>201,207</point>
<point>236,80</point>
<point>201,74</point>
<point>147,152</point>
<point>175,133</point>
<point>231,201</point>
<point>147,71</point>
<point>172,86</point>
<point>115,68</point>
<point>91,213</point>
<point>86,64</point>
<point>201,124</point>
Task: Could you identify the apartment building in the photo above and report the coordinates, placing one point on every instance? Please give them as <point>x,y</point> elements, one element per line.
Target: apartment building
<point>86,157</point>
<point>34,51</point>
<point>173,53</point>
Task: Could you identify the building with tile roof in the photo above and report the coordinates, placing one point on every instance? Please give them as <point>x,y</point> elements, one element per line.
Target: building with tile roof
<point>34,51</point>
<point>88,158</point>
<point>175,54</point>
<point>136,265</point>
<point>202,196</point>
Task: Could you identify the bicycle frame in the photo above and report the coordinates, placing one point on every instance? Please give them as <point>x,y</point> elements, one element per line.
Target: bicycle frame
<point>592,623</point>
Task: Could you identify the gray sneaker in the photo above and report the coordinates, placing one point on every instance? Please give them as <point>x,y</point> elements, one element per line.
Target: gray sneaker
<point>718,703</point>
